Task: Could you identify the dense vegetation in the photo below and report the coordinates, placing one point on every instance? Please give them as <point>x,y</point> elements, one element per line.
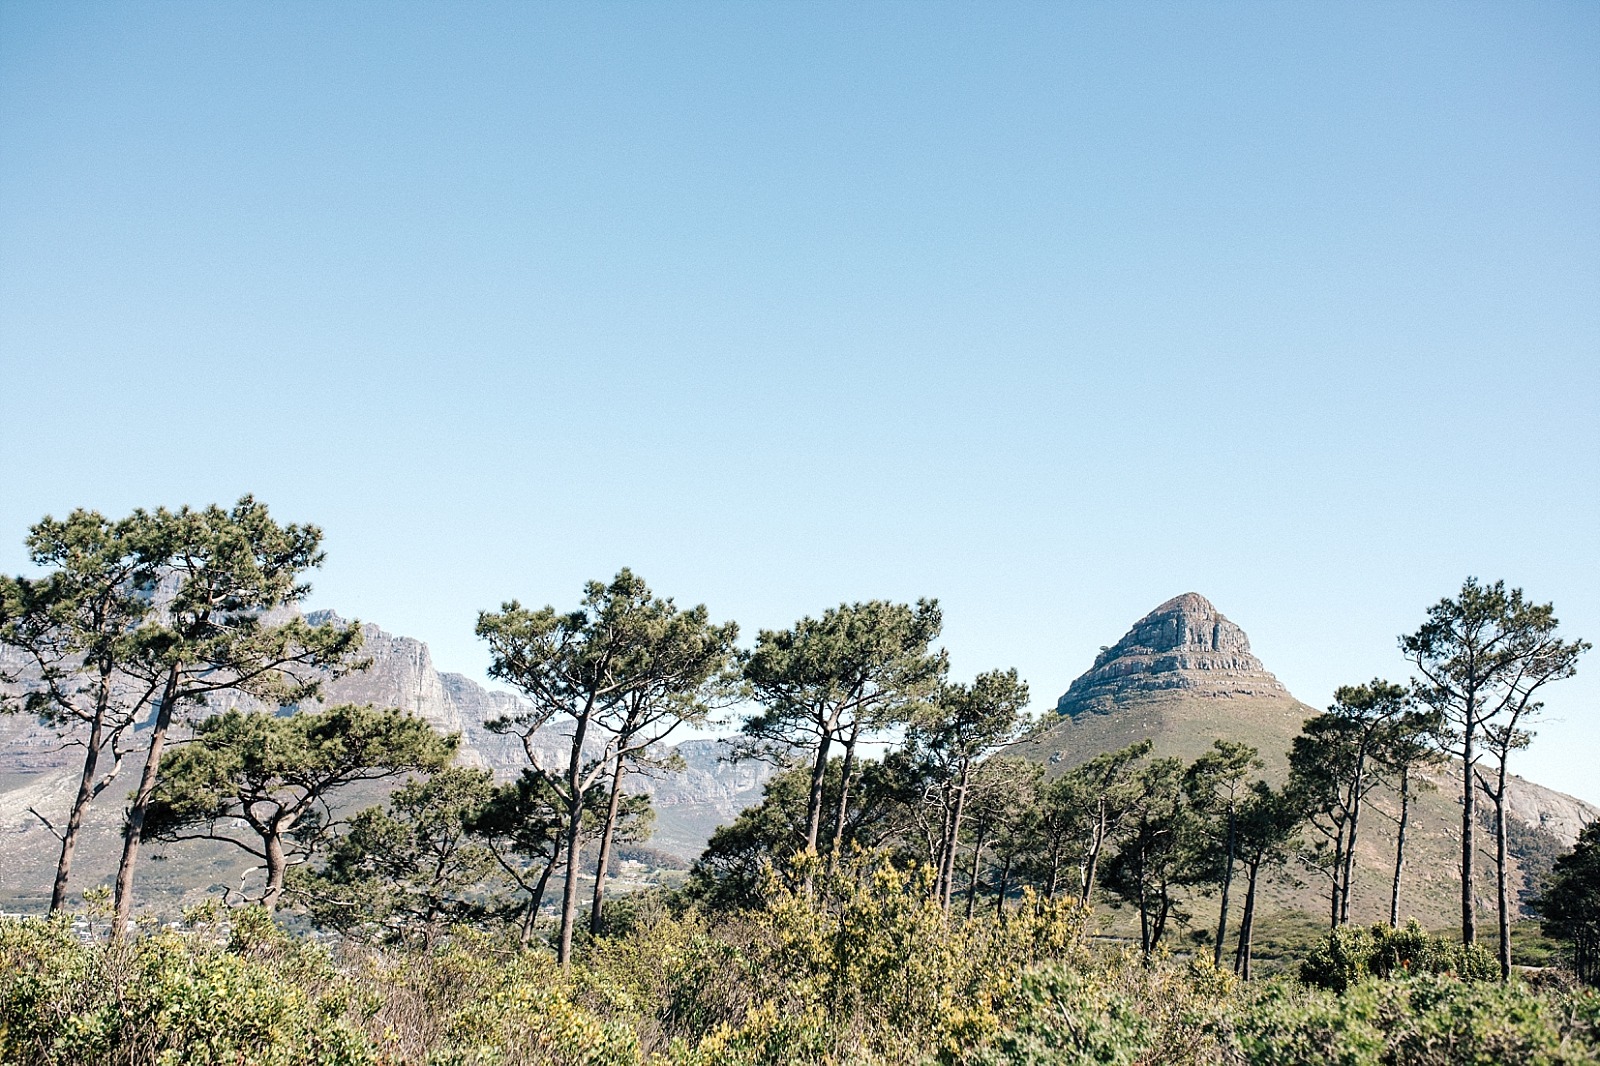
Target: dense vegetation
<point>940,900</point>
<point>867,968</point>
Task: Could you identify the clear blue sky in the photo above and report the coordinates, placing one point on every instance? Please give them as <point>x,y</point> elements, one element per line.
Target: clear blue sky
<point>1052,311</point>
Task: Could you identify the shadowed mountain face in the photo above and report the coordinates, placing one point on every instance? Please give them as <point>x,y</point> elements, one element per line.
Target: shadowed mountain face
<point>1183,676</point>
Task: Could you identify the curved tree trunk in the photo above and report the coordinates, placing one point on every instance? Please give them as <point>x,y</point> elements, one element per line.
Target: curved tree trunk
<point>1097,844</point>
<point>134,828</point>
<point>277,864</point>
<point>525,932</point>
<point>80,803</point>
<point>536,899</point>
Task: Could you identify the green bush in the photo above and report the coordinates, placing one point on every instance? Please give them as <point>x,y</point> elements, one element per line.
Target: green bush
<point>1287,1024</point>
<point>480,1000</point>
<point>174,998</point>
<point>1066,1017</point>
<point>864,970</point>
<point>1422,1020</point>
<point>1351,953</point>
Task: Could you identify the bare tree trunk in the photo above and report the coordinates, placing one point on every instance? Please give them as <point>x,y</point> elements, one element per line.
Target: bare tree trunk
<point>972,879</point>
<point>1144,911</point>
<point>529,912</point>
<point>1338,866</point>
<point>606,835</point>
<point>843,809</point>
<point>1502,874</point>
<point>536,901</point>
<point>942,848</point>
<point>569,895</point>
<point>1161,920</point>
<point>80,803</point>
<point>134,827</point>
<point>1241,958</point>
<point>1005,883</point>
<point>948,871</point>
<point>277,864</point>
<point>1350,842</point>
<point>819,777</point>
<point>1400,846</point>
<point>1469,816</point>
<point>1227,883</point>
<point>1097,843</point>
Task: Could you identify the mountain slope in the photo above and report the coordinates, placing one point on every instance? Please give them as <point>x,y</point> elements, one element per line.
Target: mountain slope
<point>1184,677</point>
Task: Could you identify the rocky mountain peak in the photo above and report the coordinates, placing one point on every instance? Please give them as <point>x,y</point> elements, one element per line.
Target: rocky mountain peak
<point>1184,644</point>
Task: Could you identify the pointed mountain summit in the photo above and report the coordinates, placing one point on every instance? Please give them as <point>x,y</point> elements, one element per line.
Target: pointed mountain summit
<point>1185,644</point>
<point>1184,676</point>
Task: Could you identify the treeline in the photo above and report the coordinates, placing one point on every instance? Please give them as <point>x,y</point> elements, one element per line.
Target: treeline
<point>150,619</point>
<point>864,967</point>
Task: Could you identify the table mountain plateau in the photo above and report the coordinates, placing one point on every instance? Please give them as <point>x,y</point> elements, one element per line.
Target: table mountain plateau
<point>36,771</point>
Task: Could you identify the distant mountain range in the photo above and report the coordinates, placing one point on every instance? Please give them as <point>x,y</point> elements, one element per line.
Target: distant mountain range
<point>37,772</point>
<point>1183,676</point>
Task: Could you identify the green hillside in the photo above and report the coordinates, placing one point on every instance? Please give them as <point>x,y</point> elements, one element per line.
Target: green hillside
<point>1184,677</point>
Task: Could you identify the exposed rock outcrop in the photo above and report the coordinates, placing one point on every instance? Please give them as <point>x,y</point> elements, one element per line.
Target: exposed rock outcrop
<point>1185,644</point>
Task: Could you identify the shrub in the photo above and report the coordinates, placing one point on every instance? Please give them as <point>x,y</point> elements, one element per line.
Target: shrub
<point>1351,953</point>
<point>865,970</point>
<point>478,1000</point>
<point>865,967</point>
<point>1287,1024</point>
<point>1422,1020</point>
<point>207,995</point>
<point>1123,1009</point>
<point>1066,1017</point>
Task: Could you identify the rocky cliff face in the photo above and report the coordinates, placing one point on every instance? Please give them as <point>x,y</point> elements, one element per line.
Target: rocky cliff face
<point>690,803</point>
<point>402,675</point>
<point>1185,644</point>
